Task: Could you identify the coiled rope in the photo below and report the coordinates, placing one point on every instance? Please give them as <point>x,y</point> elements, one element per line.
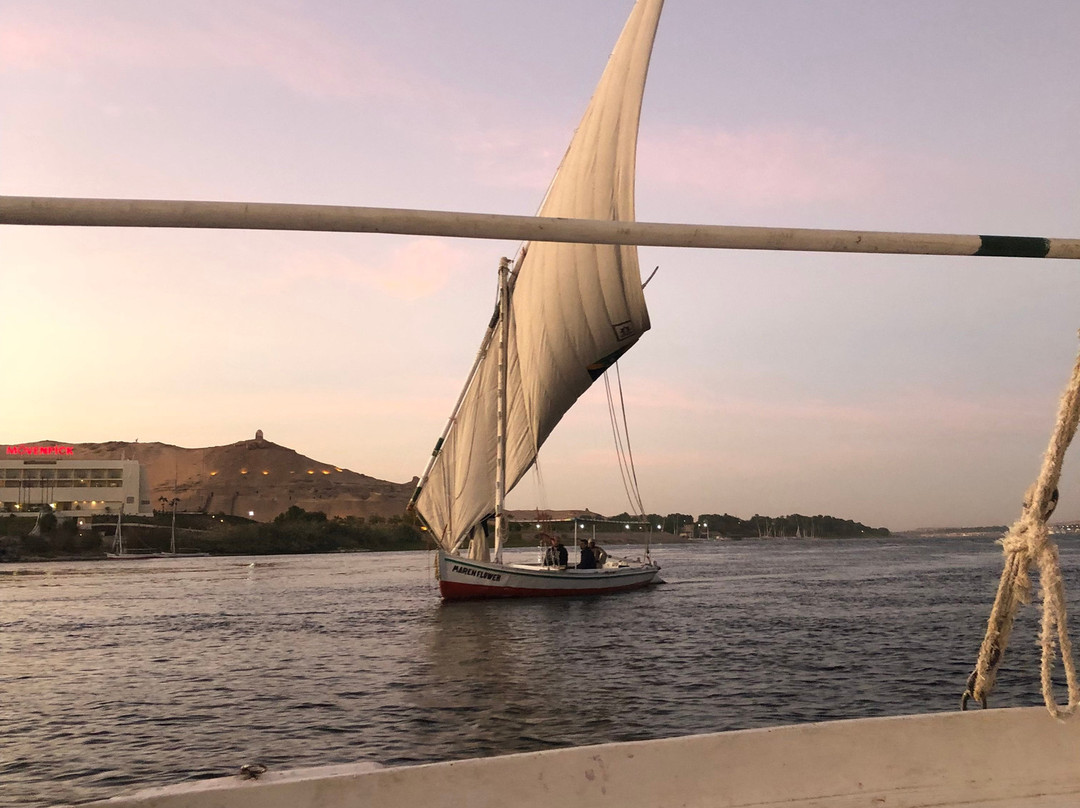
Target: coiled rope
<point>1028,544</point>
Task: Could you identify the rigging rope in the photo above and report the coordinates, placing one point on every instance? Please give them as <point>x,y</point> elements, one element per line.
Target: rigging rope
<point>1028,544</point>
<point>625,455</point>
<point>629,452</point>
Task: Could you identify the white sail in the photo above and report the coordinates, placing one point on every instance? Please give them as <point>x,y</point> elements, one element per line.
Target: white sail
<point>574,309</point>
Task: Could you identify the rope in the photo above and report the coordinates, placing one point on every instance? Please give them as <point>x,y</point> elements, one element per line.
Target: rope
<point>1027,545</point>
<point>621,435</point>
<point>629,452</point>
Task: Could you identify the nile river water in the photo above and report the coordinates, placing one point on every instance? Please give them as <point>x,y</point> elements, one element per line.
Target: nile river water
<point>120,675</point>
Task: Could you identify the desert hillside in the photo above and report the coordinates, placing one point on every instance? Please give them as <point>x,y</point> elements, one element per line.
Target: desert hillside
<point>253,476</point>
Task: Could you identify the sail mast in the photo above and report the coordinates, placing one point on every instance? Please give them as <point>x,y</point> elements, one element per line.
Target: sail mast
<point>576,308</point>
<point>500,408</point>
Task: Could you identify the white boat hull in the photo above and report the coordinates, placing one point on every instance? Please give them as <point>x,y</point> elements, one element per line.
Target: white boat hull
<point>999,758</point>
<point>464,579</point>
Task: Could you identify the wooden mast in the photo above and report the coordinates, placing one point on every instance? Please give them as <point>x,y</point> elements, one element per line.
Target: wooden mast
<point>500,409</point>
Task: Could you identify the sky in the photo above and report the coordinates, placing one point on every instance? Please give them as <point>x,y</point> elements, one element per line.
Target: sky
<point>899,391</point>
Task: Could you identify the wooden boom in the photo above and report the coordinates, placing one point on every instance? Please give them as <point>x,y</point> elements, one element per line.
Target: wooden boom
<point>36,210</point>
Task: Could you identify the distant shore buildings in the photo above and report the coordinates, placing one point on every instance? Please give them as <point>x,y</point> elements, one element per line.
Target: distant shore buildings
<point>255,479</point>
<point>36,477</point>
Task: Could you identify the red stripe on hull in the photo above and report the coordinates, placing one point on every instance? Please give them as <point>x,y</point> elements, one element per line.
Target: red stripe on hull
<point>451,590</point>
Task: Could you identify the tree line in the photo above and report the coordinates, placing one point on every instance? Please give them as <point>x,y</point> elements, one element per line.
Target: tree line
<point>301,531</point>
<point>294,531</point>
<point>724,525</point>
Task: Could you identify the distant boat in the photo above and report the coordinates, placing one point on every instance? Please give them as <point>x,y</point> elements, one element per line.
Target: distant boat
<point>173,553</point>
<point>566,313</point>
<point>122,552</point>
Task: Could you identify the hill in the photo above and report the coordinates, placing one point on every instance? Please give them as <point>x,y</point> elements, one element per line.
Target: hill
<point>256,477</point>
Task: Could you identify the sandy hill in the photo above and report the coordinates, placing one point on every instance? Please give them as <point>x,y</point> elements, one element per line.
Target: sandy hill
<point>253,476</point>
<point>553,516</point>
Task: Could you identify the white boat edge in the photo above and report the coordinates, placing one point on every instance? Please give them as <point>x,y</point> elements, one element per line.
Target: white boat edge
<point>465,579</point>
<point>1004,758</point>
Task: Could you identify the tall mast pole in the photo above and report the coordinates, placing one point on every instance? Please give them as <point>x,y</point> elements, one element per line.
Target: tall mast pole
<point>172,536</point>
<point>500,409</point>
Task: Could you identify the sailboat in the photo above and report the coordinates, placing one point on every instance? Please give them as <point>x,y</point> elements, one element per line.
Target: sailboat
<point>118,537</point>
<point>173,553</point>
<point>120,551</point>
<point>565,314</point>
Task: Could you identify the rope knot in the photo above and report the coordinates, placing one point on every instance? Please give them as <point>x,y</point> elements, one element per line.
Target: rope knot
<point>1027,543</point>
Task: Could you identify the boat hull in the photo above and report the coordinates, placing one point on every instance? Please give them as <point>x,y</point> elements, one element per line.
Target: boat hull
<point>1017,758</point>
<point>464,579</point>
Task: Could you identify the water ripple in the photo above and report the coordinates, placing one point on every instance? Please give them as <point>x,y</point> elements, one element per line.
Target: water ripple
<point>116,678</point>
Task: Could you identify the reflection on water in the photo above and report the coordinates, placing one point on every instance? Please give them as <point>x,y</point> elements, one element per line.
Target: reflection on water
<point>121,675</point>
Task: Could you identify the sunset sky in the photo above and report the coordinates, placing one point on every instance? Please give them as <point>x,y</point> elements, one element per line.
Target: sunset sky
<point>897,391</point>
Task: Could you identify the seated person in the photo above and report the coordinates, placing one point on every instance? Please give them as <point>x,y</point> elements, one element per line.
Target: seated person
<point>588,560</point>
<point>560,552</point>
<point>599,553</point>
<point>548,543</point>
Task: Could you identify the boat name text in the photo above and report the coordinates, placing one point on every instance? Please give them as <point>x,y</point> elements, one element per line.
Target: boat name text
<point>487,576</point>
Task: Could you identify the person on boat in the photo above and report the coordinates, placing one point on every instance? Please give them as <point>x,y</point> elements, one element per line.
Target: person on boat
<point>599,553</point>
<point>561,556</point>
<point>588,559</point>
<point>551,556</point>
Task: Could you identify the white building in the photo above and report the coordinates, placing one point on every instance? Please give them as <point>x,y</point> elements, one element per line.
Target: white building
<point>32,479</point>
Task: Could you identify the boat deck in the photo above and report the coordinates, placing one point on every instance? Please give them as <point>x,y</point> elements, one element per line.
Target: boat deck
<point>995,758</point>
<point>571,568</point>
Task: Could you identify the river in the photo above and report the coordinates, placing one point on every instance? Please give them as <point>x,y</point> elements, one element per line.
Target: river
<point>120,675</point>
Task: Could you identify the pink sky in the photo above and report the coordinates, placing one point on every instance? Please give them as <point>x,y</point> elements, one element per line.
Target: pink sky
<point>896,391</point>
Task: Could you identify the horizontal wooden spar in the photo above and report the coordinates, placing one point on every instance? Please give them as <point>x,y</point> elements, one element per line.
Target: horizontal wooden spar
<point>34,210</point>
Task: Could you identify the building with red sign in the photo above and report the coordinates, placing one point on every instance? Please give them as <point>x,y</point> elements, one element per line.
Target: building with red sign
<point>33,478</point>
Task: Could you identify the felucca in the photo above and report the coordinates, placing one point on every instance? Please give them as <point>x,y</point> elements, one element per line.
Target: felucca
<point>565,314</point>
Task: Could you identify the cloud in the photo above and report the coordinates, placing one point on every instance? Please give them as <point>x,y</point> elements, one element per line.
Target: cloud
<point>764,167</point>
<point>417,269</point>
<point>291,50</point>
<point>922,410</point>
<point>505,157</point>
<point>754,168</point>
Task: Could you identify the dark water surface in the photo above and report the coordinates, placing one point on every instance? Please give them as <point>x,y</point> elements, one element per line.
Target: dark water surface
<point>118,675</point>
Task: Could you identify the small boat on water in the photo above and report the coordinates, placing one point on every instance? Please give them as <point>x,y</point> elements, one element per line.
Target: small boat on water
<point>173,552</point>
<point>121,552</point>
<point>463,579</point>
